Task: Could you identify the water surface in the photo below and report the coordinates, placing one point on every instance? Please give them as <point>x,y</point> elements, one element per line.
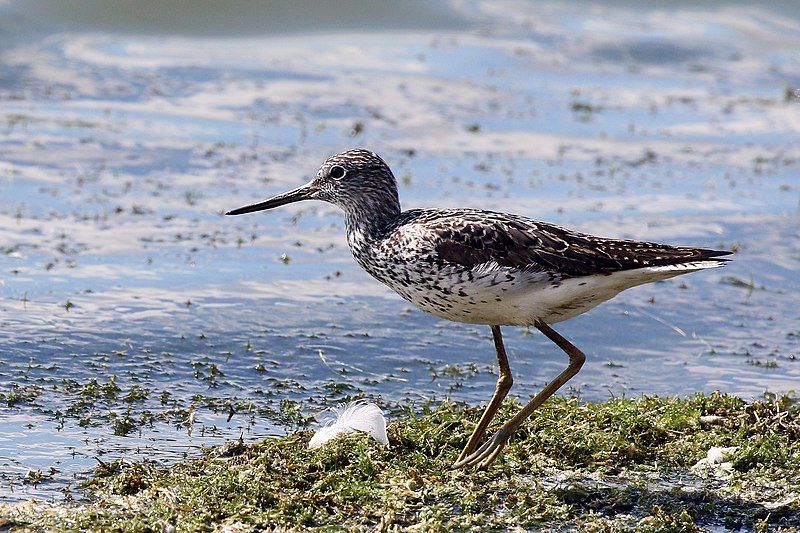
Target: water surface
<point>137,321</point>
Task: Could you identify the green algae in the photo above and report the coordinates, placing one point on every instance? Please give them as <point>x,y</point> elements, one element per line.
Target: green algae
<point>625,464</point>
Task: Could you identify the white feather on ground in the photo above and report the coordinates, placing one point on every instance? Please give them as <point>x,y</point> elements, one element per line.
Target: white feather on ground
<point>354,416</point>
<point>717,458</point>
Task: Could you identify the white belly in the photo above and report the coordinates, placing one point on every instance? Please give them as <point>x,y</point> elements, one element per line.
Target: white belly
<point>497,295</point>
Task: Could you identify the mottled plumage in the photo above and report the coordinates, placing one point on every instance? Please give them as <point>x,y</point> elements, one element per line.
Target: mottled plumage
<point>485,267</point>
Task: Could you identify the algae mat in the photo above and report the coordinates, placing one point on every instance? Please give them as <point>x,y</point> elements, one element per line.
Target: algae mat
<point>626,464</point>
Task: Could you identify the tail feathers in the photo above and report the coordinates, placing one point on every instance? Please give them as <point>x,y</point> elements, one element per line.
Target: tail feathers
<point>684,256</point>
<point>663,272</point>
<point>690,266</point>
<point>703,253</point>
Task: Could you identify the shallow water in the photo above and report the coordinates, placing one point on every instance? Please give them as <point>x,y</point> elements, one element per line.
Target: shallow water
<point>121,143</point>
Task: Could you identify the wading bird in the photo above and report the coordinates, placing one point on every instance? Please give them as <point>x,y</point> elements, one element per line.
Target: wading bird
<point>484,267</point>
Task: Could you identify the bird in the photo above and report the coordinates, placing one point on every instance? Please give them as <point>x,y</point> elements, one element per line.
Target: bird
<point>485,267</point>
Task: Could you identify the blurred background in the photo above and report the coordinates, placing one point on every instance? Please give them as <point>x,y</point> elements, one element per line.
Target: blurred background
<point>136,321</point>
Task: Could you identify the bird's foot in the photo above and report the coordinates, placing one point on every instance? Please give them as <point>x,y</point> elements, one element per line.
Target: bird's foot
<point>488,452</point>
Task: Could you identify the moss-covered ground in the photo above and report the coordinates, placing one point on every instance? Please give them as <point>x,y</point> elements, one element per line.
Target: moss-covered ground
<point>625,464</point>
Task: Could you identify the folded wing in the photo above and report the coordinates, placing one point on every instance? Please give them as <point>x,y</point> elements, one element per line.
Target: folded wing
<point>524,244</point>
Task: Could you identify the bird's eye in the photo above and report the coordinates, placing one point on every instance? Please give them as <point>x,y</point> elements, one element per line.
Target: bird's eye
<point>337,172</point>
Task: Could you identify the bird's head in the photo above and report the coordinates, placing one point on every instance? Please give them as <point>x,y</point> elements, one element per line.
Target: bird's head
<point>356,181</point>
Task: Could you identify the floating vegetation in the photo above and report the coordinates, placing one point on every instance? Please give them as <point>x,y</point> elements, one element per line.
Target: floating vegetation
<point>357,129</point>
<point>748,284</point>
<point>20,394</point>
<point>584,111</point>
<point>623,464</point>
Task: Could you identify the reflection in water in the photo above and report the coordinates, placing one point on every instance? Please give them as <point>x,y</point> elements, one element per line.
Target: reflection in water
<point>137,321</point>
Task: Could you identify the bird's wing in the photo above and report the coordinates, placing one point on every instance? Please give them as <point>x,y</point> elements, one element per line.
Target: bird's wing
<point>473,238</point>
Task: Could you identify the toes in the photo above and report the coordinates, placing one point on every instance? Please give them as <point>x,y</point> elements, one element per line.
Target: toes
<point>490,449</point>
<point>486,454</point>
<point>473,458</point>
<point>493,457</point>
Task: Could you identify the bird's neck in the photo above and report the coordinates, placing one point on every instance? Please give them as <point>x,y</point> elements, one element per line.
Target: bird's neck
<point>369,218</point>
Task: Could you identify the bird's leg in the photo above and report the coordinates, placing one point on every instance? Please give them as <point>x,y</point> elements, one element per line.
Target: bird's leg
<point>486,454</point>
<point>504,382</point>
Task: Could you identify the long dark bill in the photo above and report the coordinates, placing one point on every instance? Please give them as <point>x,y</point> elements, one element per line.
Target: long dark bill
<point>300,193</point>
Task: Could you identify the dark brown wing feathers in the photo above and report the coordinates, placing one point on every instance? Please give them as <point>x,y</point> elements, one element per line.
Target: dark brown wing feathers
<point>546,247</point>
